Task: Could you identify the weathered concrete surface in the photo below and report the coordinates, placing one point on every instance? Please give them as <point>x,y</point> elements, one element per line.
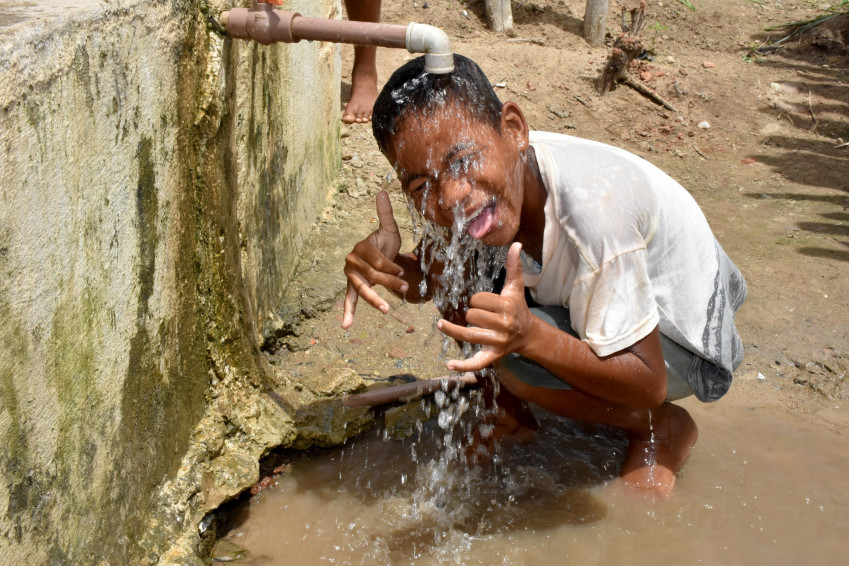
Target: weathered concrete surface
<point>156,184</point>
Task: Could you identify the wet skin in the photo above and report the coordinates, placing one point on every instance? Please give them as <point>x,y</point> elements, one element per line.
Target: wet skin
<point>450,163</point>
<point>445,160</point>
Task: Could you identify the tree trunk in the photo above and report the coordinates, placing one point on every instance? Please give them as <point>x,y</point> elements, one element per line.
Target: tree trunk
<point>595,21</point>
<point>499,15</point>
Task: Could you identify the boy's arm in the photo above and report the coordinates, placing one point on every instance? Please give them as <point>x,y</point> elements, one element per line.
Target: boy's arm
<point>502,324</point>
<point>376,261</point>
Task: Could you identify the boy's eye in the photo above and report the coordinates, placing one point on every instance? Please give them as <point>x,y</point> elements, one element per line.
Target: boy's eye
<point>416,186</point>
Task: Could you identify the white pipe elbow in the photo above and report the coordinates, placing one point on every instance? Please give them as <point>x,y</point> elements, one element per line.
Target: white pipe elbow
<point>434,43</point>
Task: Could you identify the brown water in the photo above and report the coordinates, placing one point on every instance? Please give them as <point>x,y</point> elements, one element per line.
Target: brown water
<point>759,488</point>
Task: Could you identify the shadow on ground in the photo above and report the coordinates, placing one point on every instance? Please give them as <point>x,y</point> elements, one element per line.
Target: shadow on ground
<point>813,107</point>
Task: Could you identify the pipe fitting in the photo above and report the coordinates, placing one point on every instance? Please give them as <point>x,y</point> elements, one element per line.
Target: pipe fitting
<point>435,44</point>
<point>261,23</point>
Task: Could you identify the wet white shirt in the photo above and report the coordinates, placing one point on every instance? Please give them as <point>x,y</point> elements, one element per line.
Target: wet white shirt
<point>626,248</point>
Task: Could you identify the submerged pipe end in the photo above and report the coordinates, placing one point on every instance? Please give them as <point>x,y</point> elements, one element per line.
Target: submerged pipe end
<point>435,44</point>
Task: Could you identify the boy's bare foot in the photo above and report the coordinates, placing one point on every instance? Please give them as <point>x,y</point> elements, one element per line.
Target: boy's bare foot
<point>497,427</point>
<point>653,466</point>
<point>363,95</point>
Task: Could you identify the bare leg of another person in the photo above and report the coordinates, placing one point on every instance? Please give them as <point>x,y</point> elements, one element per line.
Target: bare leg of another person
<point>364,72</point>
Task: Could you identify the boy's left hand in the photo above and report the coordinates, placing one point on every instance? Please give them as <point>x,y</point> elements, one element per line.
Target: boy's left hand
<point>499,323</point>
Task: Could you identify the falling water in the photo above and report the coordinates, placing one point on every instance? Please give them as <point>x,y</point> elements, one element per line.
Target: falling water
<point>651,462</point>
<point>469,266</point>
<point>443,485</point>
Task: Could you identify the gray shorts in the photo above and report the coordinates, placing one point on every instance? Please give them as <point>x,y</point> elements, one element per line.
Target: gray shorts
<point>677,359</point>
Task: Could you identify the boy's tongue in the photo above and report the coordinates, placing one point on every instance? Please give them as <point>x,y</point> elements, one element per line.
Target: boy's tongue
<point>483,223</point>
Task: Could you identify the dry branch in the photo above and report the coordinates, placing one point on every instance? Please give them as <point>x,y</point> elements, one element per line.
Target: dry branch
<point>648,93</point>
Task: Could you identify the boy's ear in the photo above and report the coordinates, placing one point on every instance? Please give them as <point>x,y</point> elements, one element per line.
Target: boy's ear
<point>513,124</point>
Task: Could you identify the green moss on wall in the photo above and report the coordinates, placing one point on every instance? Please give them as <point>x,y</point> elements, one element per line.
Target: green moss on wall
<point>169,368</point>
<point>73,370</point>
<point>14,457</point>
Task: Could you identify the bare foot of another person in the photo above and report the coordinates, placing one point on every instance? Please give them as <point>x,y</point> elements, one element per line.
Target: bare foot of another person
<point>363,89</point>
<point>497,427</point>
<point>653,466</point>
<point>364,72</point>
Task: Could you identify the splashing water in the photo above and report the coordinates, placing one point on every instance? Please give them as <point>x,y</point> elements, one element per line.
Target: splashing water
<point>466,266</point>
<point>435,88</point>
<point>469,267</point>
<point>440,483</point>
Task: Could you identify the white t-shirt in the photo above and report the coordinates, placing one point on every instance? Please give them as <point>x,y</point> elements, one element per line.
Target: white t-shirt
<point>626,248</point>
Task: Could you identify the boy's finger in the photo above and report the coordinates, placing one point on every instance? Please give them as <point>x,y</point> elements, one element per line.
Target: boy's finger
<point>383,272</point>
<point>364,289</point>
<point>450,329</point>
<point>486,301</point>
<point>391,282</point>
<point>485,318</point>
<point>385,216</point>
<point>380,264</point>
<point>367,254</point>
<point>485,357</point>
<point>468,334</point>
<point>350,307</point>
<point>515,278</point>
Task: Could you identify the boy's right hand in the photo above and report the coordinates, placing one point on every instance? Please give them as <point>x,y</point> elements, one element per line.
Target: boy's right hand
<point>372,262</point>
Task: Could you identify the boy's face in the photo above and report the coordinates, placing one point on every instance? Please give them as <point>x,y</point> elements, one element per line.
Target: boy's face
<point>456,167</point>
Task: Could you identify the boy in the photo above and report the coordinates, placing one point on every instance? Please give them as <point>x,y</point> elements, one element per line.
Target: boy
<point>637,296</point>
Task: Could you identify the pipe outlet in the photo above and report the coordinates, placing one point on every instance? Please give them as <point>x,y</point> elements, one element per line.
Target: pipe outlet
<point>435,44</point>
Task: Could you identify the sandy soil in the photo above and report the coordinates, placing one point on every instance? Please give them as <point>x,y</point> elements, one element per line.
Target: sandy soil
<point>756,139</point>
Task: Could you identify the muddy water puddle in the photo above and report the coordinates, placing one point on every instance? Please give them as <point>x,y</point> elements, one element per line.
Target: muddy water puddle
<point>759,488</point>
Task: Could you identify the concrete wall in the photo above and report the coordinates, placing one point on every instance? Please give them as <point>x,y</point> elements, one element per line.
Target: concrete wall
<point>156,182</point>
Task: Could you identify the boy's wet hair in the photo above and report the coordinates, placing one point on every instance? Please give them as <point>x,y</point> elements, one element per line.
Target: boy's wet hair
<point>412,90</point>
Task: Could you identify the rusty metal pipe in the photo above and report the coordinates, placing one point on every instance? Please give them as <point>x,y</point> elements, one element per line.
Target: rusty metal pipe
<point>414,390</point>
<point>266,25</point>
<point>346,31</point>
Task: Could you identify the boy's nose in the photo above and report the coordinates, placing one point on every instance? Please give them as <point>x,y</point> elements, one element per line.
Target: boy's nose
<point>453,191</point>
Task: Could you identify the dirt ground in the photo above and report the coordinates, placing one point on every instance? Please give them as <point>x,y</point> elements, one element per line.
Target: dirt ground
<point>760,141</point>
